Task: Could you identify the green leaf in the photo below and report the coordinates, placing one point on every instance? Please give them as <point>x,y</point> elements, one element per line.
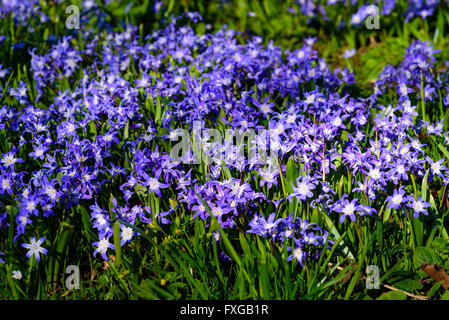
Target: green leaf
<point>264,280</point>
<point>393,295</point>
<point>343,273</point>
<point>440,244</point>
<point>344,136</point>
<point>292,173</point>
<point>333,230</point>
<point>408,285</point>
<point>111,205</point>
<point>126,131</point>
<point>229,247</point>
<point>10,280</point>
<point>418,231</point>
<point>117,247</point>
<point>434,289</point>
<point>157,116</point>
<point>147,290</point>
<point>61,248</point>
<point>386,215</point>
<point>92,128</point>
<point>140,190</point>
<point>424,186</point>
<point>87,224</point>
<point>356,276</point>
<point>443,149</point>
<point>425,255</point>
<point>445,296</point>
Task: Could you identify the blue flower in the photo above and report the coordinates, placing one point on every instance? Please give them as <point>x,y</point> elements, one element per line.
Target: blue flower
<point>9,160</point>
<point>349,53</point>
<point>437,166</point>
<point>347,208</point>
<point>303,190</point>
<point>418,206</point>
<point>397,198</point>
<point>153,184</point>
<point>265,228</point>
<point>39,152</point>
<point>102,247</point>
<point>6,183</point>
<point>34,248</point>
<point>297,252</point>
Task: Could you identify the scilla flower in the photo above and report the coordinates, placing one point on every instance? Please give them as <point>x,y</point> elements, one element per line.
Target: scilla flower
<point>418,206</point>
<point>34,248</point>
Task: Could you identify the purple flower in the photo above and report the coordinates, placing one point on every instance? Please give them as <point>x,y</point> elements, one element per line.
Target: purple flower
<point>347,208</point>
<point>349,53</point>
<point>376,174</point>
<point>396,199</point>
<point>265,228</point>
<point>311,238</point>
<point>47,208</point>
<point>418,206</point>
<point>145,82</point>
<point>238,189</point>
<point>66,129</point>
<point>22,219</point>
<point>219,211</point>
<point>49,189</point>
<point>6,183</point>
<point>297,252</point>
<point>400,171</point>
<point>3,72</point>
<point>436,166</point>
<point>428,91</point>
<point>269,176</point>
<point>109,137</point>
<point>126,234</point>
<point>403,90</point>
<point>102,247</point>
<point>160,216</point>
<point>366,210</point>
<point>154,185</point>
<point>200,210</point>
<point>30,205</point>
<point>34,248</point>
<point>435,129</point>
<point>303,190</point>
<point>9,160</point>
<point>265,107</point>
<point>158,5</point>
<point>38,153</point>
<point>20,93</point>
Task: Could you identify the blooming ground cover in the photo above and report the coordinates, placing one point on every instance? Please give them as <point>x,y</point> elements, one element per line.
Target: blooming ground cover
<point>224,150</point>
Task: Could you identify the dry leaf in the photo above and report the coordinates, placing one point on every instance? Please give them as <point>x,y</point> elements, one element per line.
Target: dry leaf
<point>93,273</point>
<point>106,265</point>
<point>437,273</point>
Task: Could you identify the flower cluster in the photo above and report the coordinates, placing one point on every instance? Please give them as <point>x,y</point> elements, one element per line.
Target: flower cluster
<point>414,8</point>
<point>104,139</point>
<point>303,239</point>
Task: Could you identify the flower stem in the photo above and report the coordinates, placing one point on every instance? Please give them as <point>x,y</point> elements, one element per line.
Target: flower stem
<point>423,109</point>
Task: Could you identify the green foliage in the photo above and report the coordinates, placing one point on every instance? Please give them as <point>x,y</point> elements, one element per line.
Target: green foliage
<point>183,261</point>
